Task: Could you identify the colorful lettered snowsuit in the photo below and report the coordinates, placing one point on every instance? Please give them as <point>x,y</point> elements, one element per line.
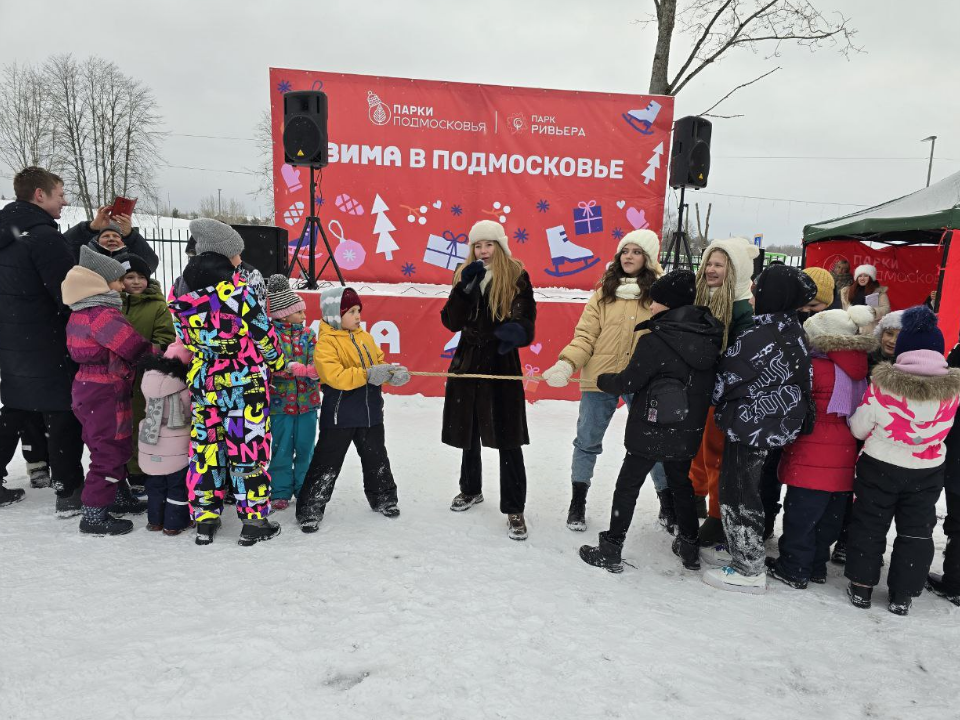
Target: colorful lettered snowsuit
<point>231,339</point>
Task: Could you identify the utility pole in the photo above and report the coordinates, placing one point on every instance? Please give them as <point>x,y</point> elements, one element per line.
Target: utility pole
<point>220,208</point>
<point>933,143</point>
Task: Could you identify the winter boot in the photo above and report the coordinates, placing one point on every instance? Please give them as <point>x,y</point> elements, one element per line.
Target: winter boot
<point>464,502</point>
<point>688,551</point>
<point>207,530</point>
<point>137,484</point>
<point>839,556</point>
<point>716,555</point>
<point>256,529</point>
<point>154,527</point>
<point>388,509</point>
<point>577,515</point>
<point>125,503</point>
<point>39,475</point>
<point>312,523</point>
<point>69,505</point>
<point>899,603</point>
<point>726,578</point>
<point>776,574</point>
<point>99,522</point>
<point>668,515</point>
<point>711,532</point>
<point>701,502</point>
<point>606,555</point>
<point>859,595</point>
<point>517,525</point>
<point>819,578</point>
<point>9,497</point>
<point>936,586</point>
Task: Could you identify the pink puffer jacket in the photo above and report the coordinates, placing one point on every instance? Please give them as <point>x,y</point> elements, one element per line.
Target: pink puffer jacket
<point>171,453</point>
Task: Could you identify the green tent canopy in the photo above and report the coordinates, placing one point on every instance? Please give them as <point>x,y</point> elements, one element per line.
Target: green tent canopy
<point>935,208</point>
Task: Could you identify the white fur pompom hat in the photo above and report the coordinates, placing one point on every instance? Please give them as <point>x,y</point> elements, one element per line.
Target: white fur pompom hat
<point>839,322</point>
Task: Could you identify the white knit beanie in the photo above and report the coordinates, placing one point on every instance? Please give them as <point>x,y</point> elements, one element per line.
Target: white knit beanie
<point>865,270</point>
<point>742,253</point>
<point>647,241</point>
<point>839,322</point>
<point>490,231</point>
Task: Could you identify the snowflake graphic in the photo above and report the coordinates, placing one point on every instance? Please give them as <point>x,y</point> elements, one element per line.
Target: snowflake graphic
<point>283,87</point>
<point>521,236</point>
<point>349,256</point>
<point>320,202</point>
<point>457,210</point>
<point>543,206</point>
<point>617,233</point>
<point>409,269</point>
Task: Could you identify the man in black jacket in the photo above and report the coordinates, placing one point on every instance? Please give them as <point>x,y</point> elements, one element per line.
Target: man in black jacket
<point>36,372</point>
<point>124,238</point>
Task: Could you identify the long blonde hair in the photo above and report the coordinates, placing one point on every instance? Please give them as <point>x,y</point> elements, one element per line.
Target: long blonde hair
<point>506,272</point>
<point>721,301</point>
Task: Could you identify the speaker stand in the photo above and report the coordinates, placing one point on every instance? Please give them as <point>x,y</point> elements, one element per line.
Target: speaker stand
<point>311,227</point>
<point>679,240</point>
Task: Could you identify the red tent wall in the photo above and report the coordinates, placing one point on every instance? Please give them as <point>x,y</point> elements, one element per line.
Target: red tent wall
<point>950,293</point>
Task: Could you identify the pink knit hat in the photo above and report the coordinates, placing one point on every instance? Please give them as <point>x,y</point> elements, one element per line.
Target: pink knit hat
<point>928,363</point>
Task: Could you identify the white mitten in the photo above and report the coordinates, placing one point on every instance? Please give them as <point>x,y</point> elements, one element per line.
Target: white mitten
<point>558,375</point>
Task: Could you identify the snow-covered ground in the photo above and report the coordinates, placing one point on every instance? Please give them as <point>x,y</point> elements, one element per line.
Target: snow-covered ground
<point>440,615</point>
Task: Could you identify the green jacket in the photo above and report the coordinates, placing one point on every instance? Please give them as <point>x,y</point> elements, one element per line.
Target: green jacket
<point>149,315</point>
<point>740,319</point>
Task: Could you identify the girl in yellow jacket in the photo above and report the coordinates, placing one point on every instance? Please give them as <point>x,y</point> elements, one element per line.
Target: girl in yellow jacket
<point>351,370</point>
<point>603,342</point>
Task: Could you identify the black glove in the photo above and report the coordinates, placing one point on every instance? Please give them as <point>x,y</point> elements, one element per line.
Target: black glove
<point>511,336</point>
<point>470,273</point>
<point>605,383</point>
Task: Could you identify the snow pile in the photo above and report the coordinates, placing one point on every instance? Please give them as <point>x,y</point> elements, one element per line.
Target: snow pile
<point>438,614</point>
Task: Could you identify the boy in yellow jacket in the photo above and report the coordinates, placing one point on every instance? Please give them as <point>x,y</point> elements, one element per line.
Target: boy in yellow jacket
<point>351,370</point>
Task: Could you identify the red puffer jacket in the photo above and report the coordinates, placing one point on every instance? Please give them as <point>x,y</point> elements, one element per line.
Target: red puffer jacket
<point>825,459</point>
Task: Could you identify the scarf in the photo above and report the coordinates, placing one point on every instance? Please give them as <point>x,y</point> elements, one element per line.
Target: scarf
<point>150,429</point>
<point>847,392</point>
<point>108,299</point>
<point>628,289</point>
<point>487,279</point>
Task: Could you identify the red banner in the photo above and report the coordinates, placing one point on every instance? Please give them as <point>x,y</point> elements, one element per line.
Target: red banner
<point>949,314</point>
<point>414,163</point>
<point>409,332</point>
<point>910,272</point>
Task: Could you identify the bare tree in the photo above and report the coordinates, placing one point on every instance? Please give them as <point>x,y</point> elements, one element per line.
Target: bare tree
<point>228,210</point>
<point>27,132</point>
<point>715,28</point>
<point>263,134</point>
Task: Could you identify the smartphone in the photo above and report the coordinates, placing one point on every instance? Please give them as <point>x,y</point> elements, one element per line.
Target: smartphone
<point>123,206</point>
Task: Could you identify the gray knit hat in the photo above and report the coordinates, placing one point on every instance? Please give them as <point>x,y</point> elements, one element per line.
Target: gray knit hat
<point>217,237</point>
<point>104,266</point>
<point>890,321</point>
<point>281,300</point>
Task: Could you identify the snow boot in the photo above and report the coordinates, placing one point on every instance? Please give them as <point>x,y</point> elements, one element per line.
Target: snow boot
<point>137,483</point>
<point>154,527</point>
<point>711,532</point>
<point>125,503</point>
<point>99,522</point>
<point>688,551</point>
<point>726,578</point>
<point>716,555</point>
<point>311,524</point>
<point>606,555</point>
<point>517,526</point>
<point>206,531</point>
<point>69,505</point>
<point>257,529</point>
<point>936,586</point>
<point>39,475</point>
<point>577,514</point>
<point>776,574</point>
<point>9,497</point>
<point>899,603</point>
<point>839,555</point>
<point>668,515</point>
<point>701,503</point>
<point>859,595</point>
<point>464,502</point>
<point>819,579</point>
<point>388,509</point>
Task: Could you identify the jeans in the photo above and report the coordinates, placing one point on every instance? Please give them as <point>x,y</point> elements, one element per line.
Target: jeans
<point>596,411</point>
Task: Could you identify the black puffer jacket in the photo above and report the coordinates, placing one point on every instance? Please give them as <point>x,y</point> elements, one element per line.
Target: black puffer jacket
<point>36,373</point>
<point>80,235</point>
<point>683,343</point>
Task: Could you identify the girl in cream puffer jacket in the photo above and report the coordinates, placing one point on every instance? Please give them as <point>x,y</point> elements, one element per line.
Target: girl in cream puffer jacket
<point>603,342</point>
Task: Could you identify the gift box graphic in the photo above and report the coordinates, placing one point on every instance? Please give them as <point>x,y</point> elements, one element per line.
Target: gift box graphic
<point>587,218</point>
<point>447,250</point>
<point>530,374</point>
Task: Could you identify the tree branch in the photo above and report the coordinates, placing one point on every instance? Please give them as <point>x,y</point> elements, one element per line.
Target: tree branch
<point>738,87</point>
<point>702,39</point>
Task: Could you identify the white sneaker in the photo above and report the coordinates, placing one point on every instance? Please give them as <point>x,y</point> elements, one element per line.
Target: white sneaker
<point>716,555</point>
<point>726,578</point>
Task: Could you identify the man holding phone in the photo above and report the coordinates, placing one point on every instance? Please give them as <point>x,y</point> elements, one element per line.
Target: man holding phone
<point>128,238</point>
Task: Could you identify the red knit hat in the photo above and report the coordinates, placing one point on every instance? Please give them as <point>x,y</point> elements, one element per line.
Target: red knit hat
<point>349,299</point>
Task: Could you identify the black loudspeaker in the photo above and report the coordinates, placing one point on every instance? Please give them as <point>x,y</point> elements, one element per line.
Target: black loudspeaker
<point>305,128</point>
<point>690,156</point>
<point>264,247</point>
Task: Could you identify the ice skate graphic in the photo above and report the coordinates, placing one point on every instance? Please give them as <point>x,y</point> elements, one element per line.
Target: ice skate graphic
<point>451,347</point>
<point>568,258</point>
<point>642,120</point>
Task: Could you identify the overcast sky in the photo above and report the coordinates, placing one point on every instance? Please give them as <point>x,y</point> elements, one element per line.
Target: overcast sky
<point>207,64</point>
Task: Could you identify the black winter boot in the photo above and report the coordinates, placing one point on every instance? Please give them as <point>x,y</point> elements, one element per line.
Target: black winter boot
<point>899,603</point>
<point>206,531</point>
<point>9,497</point>
<point>688,550</point>
<point>776,574</point>
<point>255,530</point>
<point>859,595</point>
<point>39,474</point>
<point>668,515</point>
<point>839,556</point>
<point>936,585</point>
<point>577,515</point>
<point>125,503</point>
<point>70,505</point>
<point>464,502</point>
<point>606,555</point>
<point>312,523</point>
<point>388,509</point>
<point>99,522</point>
